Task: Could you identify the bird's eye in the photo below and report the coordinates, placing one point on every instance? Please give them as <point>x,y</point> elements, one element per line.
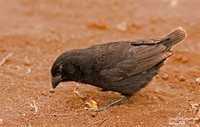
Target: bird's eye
<point>60,70</point>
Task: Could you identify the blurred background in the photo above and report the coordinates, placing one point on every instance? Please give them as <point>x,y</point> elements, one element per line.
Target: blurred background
<point>34,32</point>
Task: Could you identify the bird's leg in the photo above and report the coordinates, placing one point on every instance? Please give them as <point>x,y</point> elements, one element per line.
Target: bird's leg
<point>117,102</point>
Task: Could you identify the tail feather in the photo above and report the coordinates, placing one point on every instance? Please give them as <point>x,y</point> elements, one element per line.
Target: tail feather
<point>174,37</point>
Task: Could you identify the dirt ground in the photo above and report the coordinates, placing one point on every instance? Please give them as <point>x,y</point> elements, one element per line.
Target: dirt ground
<point>34,32</point>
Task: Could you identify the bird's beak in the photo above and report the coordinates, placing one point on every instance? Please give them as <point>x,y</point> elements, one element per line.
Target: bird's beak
<point>55,81</point>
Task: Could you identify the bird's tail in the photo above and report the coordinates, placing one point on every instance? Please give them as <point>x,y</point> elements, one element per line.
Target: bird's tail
<point>174,37</point>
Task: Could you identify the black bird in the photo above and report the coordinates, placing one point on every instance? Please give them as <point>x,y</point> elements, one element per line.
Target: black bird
<point>124,66</point>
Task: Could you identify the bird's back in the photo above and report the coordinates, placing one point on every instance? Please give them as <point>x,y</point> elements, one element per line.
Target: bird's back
<point>128,66</point>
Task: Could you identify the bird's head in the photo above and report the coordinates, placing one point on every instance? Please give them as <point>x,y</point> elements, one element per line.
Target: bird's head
<point>62,70</point>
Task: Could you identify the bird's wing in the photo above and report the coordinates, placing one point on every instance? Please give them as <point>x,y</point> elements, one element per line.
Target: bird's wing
<point>141,55</point>
<point>135,59</point>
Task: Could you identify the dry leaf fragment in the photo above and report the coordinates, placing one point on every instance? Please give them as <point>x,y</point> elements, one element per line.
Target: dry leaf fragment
<point>89,103</point>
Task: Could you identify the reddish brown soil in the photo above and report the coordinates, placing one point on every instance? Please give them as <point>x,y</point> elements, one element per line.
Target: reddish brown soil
<point>35,32</point>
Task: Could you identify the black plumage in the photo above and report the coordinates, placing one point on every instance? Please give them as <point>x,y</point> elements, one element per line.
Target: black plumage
<point>124,67</point>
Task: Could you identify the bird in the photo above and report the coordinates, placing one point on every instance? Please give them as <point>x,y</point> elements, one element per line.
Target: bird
<point>124,66</point>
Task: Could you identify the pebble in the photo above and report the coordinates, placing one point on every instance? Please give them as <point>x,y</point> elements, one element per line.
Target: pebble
<point>198,80</point>
<point>136,25</point>
<point>179,57</point>
<point>185,59</point>
<point>93,114</point>
<point>181,78</point>
<point>44,93</point>
<point>51,90</point>
<point>182,59</point>
<point>165,76</point>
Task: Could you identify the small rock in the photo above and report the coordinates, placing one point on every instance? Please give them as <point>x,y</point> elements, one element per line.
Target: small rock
<point>51,90</point>
<point>181,78</point>
<point>136,25</point>
<point>185,59</point>
<point>197,121</point>
<point>93,114</point>
<point>198,80</point>
<point>165,76</point>
<point>179,57</point>
<point>182,59</point>
<point>44,93</point>
<point>26,63</point>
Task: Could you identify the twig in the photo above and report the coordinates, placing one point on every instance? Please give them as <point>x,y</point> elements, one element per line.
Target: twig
<point>34,106</point>
<point>5,58</point>
<point>103,121</point>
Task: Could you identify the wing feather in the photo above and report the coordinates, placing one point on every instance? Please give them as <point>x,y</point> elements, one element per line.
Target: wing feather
<point>136,59</point>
